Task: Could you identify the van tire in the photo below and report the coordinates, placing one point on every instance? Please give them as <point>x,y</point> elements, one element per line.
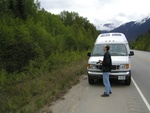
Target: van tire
<point>91,81</point>
<point>128,81</point>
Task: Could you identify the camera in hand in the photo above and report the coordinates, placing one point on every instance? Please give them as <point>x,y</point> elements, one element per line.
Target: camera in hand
<point>98,66</point>
<point>98,62</point>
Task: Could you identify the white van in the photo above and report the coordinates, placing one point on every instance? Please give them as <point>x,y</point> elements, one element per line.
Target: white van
<point>120,55</point>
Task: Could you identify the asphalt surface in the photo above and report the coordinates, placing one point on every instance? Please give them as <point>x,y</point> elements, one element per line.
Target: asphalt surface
<point>141,72</point>
<point>85,98</point>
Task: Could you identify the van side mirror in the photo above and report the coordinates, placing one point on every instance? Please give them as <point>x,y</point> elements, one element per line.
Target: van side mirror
<point>89,54</point>
<point>131,53</point>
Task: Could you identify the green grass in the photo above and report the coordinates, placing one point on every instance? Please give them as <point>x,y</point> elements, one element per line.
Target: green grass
<point>29,95</point>
<point>57,84</point>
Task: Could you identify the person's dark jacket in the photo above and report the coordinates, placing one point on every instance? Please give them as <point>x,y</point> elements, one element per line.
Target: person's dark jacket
<point>107,63</point>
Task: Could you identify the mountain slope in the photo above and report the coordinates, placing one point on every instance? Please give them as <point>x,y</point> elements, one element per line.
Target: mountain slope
<point>134,28</point>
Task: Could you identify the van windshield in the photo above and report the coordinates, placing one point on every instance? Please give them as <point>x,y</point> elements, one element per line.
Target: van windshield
<point>115,50</point>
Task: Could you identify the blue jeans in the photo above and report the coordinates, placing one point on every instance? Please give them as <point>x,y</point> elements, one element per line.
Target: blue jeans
<point>106,82</point>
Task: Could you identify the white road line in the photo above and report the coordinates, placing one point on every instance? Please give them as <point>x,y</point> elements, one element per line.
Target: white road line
<point>141,94</point>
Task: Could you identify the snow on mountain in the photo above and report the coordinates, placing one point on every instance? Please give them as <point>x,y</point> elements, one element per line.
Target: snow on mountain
<point>107,27</point>
<point>133,29</point>
<point>143,20</point>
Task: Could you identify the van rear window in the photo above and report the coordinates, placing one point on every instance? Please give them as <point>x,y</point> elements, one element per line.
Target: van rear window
<point>108,34</point>
<point>105,35</point>
<point>116,34</point>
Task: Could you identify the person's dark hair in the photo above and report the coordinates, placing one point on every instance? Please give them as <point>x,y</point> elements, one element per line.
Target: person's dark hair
<point>107,47</point>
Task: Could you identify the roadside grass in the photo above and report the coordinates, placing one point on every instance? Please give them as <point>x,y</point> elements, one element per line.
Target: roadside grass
<point>53,87</point>
<point>29,96</point>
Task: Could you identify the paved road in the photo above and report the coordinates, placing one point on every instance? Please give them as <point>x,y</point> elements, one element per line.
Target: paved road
<point>141,72</point>
<point>85,98</point>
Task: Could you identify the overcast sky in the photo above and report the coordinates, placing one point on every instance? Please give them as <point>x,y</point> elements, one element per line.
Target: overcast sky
<point>101,11</point>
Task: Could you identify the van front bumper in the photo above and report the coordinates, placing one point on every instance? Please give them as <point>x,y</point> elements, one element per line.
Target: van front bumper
<point>115,74</point>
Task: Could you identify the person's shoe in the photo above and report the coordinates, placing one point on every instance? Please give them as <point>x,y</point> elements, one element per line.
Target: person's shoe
<point>109,92</point>
<point>104,95</point>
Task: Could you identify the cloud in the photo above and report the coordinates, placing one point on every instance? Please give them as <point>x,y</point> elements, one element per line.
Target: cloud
<point>55,5</point>
<point>101,11</point>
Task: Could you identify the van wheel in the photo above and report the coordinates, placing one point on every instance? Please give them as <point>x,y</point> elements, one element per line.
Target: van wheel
<point>91,81</point>
<point>128,81</point>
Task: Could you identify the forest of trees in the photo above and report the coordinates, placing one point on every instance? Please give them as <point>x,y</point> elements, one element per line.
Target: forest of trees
<point>30,33</point>
<point>34,42</point>
<point>142,42</point>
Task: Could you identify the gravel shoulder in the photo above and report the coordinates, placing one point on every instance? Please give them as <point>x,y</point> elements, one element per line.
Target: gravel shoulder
<point>85,98</point>
<point>69,102</point>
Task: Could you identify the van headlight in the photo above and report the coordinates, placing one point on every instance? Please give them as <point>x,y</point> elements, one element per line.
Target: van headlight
<point>91,66</point>
<point>124,66</point>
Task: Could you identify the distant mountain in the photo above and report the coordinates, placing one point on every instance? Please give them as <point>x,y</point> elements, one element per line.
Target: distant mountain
<point>134,28</point>
<point>107,27</point>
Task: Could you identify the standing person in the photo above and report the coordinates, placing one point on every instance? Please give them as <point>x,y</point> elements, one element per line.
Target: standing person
<point>106,68</point>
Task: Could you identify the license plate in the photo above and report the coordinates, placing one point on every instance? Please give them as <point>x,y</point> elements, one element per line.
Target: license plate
<point>121,77</point>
